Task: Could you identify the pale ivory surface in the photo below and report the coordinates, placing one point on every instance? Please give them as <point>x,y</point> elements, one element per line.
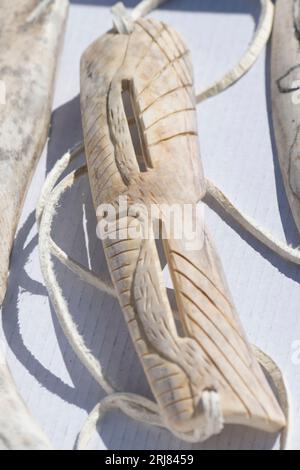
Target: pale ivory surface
<point>237,154</point>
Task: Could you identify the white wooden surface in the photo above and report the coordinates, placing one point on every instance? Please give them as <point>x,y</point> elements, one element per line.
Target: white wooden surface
<point>239,155</point>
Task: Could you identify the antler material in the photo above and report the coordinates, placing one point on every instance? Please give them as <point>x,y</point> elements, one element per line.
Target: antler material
<point>285,97</point>
<point>151,69</point>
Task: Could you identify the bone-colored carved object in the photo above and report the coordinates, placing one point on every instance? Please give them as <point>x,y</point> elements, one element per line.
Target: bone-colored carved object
<point>285,75</point>
<point>31,32</point>
<point>151,68</point>
<point>18,430</point>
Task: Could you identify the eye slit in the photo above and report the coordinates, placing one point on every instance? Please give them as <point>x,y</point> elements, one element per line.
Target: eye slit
<point>134,126</point>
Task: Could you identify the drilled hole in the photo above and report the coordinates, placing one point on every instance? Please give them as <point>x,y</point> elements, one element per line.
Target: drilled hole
<point>134,127</point>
